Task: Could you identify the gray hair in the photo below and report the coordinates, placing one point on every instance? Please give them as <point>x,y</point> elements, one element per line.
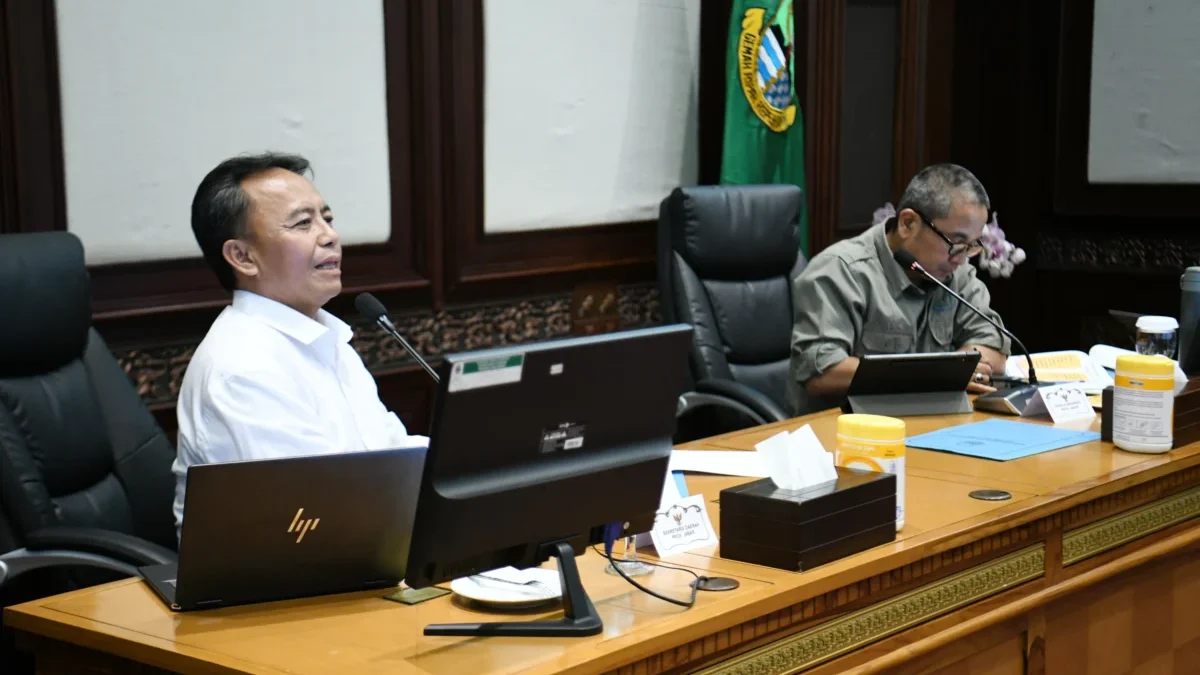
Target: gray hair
<point>935,189</point>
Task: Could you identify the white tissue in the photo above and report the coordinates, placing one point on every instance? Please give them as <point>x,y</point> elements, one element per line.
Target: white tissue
<point>796,460</point>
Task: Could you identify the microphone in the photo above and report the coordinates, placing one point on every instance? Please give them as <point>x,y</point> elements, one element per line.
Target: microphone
<point>1012,401</point>
<point>370,307</point>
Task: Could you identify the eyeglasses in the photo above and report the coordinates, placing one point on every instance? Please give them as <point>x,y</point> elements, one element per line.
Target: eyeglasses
<point>954,248</point>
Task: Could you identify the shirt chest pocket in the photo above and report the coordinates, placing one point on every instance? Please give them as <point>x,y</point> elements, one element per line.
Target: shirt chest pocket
<point>941,328</point>
<point>886,342</point>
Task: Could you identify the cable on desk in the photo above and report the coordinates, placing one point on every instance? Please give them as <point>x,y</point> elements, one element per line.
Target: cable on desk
<point>682,603</point>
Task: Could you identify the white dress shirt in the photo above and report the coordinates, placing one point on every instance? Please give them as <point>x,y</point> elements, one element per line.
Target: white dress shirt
<point>269,382</point>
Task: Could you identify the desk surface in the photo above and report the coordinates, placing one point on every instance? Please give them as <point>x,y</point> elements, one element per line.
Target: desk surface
<point>362,633</point>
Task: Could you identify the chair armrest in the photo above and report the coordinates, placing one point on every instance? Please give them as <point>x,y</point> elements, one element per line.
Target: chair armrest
<point>106,543</point>
<point>691,400</point>
<point>763,407</point>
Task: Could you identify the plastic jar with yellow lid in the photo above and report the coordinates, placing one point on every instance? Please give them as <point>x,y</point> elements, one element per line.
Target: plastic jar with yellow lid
<point>876,443</point>
<point>1144,403</point>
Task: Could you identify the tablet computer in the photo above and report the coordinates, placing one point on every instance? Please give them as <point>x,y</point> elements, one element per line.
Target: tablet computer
<point>913,373</point>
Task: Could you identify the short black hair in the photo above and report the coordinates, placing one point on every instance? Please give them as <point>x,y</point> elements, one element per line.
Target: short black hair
<point>935,189</point>
<point>220,205</point>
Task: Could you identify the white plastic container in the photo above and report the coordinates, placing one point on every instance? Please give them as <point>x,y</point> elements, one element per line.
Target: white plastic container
<point>1144,403</point>
<point>875,443</point>
<point>1157,335</point>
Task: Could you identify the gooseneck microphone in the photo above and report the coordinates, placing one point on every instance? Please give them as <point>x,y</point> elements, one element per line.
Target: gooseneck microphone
<point>909,262</point>
<point>371,308</point>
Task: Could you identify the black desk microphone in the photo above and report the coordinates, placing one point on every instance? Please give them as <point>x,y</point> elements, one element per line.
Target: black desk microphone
<point>370,307</point>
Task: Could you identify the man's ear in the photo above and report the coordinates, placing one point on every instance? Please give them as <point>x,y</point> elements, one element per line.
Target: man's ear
<point>907,223</point>
<point>240,257</point>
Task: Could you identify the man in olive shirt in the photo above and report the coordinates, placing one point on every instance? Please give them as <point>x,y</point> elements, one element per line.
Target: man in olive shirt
<point>854,299</point>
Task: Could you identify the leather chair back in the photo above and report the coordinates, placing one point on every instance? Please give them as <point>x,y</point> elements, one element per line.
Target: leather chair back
<point>77,445</point>
<point>727,258</point>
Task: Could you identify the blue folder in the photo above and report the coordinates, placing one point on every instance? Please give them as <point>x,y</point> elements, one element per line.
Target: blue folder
<point>1000,440</point>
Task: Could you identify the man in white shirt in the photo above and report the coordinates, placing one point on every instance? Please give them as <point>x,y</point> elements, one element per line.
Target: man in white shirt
<point>275,376</point>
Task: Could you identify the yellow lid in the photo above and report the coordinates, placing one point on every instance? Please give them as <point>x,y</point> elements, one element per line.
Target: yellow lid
<point>1146,366</point>
<point>871,427</point>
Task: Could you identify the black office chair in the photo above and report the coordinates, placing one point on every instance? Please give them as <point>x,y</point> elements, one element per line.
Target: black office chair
<point>727,256</point>
<point>85,471</point>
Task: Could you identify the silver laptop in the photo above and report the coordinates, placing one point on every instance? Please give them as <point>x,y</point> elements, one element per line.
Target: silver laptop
<point>274,529</point>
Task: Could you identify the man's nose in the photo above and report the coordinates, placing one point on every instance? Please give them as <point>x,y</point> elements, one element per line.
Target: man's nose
<point>329,236</point>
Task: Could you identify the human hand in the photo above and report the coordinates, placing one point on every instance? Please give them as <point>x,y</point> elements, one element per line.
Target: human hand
<point>981,381</point>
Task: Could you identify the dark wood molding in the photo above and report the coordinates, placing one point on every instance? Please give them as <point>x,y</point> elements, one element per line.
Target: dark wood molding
<point>1117,252</point>
<point>824,27</point>
<point>909,144</point>
<point>1073,194</point>
<point>32,196</point>
<point>714,43</point>
<point>938,111</point>
<point>480,265</point>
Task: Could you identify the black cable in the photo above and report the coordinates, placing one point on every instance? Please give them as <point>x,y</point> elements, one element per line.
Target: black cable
<point>686,604</point>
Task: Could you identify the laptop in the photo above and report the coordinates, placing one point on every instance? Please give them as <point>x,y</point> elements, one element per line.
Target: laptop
<point>264,530</point>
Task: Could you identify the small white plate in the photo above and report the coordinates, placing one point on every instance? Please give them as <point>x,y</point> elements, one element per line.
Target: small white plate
<point>509,588</point>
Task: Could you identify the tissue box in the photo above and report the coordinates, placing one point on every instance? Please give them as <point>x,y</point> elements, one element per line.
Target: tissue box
<point>801,529</point>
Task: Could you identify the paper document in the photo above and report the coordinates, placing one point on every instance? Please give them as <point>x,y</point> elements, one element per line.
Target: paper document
<point>718,462</point>
<point>1001,440</point>
<point>1066,366</point>
<point>1105,356</point>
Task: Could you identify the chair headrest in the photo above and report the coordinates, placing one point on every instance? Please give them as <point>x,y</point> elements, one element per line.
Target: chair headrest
<point>736,232</point>
<point>46,302</point>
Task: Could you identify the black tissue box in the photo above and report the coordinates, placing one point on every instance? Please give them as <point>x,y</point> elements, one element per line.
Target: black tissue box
<point>801,529</point>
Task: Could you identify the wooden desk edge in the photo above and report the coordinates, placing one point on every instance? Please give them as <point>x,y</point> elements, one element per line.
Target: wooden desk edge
<point>41,622</point>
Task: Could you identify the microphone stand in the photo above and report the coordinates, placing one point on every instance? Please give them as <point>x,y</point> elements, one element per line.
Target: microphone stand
<point>1011,400</point>
<point>390,329</point>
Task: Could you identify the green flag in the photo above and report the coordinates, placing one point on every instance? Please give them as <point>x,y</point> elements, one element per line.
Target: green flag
<point>764,131</point>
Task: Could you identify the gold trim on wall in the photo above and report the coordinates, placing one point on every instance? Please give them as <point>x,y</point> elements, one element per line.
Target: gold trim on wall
<point>1114,531</point>
<point>870,624</point>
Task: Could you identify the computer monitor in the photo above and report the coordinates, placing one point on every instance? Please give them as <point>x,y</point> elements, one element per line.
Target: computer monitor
<point>534,450</point>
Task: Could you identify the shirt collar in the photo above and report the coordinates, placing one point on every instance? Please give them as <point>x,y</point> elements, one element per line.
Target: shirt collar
<point>290,322</point>
<point>897,280</point>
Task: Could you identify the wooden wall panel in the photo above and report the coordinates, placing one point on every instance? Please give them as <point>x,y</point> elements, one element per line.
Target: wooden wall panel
<point>1146,621</point>
<point>31,175</point>
<point>449,287</point>
<point>1073,194</point>
<point>1006,658</point>
<point>399,268</point>
<point>824,31</point>
<point>1020,98</point>
<point>479,265</point>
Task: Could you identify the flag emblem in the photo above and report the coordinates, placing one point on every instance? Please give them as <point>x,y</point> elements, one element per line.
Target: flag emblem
<point>764,67</point>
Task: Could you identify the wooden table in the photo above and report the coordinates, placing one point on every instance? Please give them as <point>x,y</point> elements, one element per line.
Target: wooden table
<point>1091,567</point>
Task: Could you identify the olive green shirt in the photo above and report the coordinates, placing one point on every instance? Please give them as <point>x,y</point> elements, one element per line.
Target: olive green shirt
<point>854,299</point>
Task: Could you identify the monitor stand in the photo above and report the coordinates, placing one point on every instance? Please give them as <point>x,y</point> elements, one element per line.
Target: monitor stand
<point>580,617</point>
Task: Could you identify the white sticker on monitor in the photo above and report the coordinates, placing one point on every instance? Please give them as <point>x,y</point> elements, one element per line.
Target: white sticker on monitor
<point>486,372</point>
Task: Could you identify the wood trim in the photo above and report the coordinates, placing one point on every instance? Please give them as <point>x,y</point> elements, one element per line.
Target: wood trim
<point>909,135</point>
<point>824,28</point>
<point>32,195</point>
<point>939,57</point>
<point>714,43</point>
<point>477,263</point>
<point>841,636</point>
<point>1073,194</point>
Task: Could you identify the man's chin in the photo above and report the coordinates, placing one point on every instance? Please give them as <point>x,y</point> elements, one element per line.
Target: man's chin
<point>330,290</point>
